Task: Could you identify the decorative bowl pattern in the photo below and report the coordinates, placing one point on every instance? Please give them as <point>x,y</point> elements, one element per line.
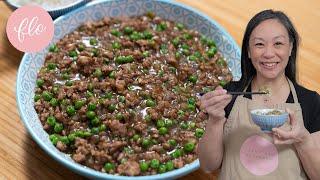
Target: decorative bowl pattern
<point>56,12</point>
<point>65,24</point>
<point>267,122</point>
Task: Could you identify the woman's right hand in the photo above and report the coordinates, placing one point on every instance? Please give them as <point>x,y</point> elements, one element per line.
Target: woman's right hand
<point>214,103</point>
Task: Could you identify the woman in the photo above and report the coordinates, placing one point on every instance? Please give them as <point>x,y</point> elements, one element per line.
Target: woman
<point>233,142</point>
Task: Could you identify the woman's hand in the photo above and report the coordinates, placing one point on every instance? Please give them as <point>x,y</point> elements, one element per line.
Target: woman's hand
<point>298,133</point>
<point>214,103</point>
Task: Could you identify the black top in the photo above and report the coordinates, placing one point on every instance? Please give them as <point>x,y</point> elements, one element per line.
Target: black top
<point>309,102</point>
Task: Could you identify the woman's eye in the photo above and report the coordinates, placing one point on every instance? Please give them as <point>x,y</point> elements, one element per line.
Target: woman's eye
<point>278,43</point>
<point>259,44</point>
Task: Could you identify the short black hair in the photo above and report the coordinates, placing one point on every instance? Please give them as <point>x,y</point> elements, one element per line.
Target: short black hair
<point>247,69</point>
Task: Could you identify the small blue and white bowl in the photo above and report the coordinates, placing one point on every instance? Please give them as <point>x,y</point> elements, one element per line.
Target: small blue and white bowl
<point>267,122</point>
<point>53,11</point>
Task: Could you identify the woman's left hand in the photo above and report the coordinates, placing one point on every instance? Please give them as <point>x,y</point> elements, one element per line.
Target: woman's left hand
<point>297,134</point>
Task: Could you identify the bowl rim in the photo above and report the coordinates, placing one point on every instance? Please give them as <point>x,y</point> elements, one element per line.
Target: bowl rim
<point>254,112</point>
<point>83,170</point>
<point>60,8</point>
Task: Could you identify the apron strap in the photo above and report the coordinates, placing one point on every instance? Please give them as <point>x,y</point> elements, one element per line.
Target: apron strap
<point>293,91</point>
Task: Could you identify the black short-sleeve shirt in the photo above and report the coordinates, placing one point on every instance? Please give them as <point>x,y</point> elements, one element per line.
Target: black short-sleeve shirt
<point>309,102</point>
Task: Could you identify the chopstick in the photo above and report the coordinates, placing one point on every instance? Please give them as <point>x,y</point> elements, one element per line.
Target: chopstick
<point>246,93</point>
<point>239,93</point>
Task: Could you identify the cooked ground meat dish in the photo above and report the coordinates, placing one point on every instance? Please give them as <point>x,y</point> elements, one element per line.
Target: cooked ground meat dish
<point>121,95</point>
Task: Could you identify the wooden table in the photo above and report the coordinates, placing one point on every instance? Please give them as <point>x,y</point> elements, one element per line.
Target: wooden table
<point>21,157</point>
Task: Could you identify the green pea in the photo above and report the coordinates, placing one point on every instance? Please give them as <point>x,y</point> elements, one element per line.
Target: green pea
<point>129,59</point>
<point>192,125</point>
<point>189,147</point>
<point>135,36</point>
<point>109,167</point>
<point>119,116</point>
<point>197,54</point>
<point>128,30</point>
<point>176,41</point>
<point>154,141</point>
<point>146,143</point>
<point>199,132</point>
<point>37,97</point>
<point>73,53</point>
<point>173,69</point>
<point>64,139</point>
<point>185,51</point>
<point>146,54</point>
<point>150,103</point>
<point>70,110</point>
<point>147,35</point>
<point>183,125</point>
<point>206,89</point>
<point>79,133</point>
<point>108,95</point>
<point>193,78</point>
<point>170,166</point>
<point>163,49</point>
<point>154,163</point>
<point>192,58</point>
<point>54,138</point>
<point>112,107</point>
<point>102,127</point>
<point>181,113</point>
<point>53,48</point>
<point>180,26</point>
<point>144,166</point>
<point>203,39</point>
<point>87,134</point>
<point>89,94</point>
<point>163,131</point>
<point>65,76</point>
<point>221,62</point>
<point>211,52</point>
<point>95,121</point>
<point>39,82</point>
<point>136,137</point>
<point>65,102</point>
<point>162,168</point>
<point>69,83</point>
<point>93,42</point>
<point>160,123</point>
<point>161,27</point>
<point>172,142</point>
<point>51,66</point>
<point>72,137</point>
<point>192,101</point>
<point>187,36</point>
<point>147,118</point>
<point>51,120</point>
<point>122,99</point>
<point>95,130</point>
<point>95,52</point>
<point>185,46</point>
<point>191,107</point>
<point>55,89</point>
<point>178,55</point>
<point>112,74</point>
<point>120,59</point>
<point>47,96</point>
<point>168,122</point>
<point>78,104</point>
<point>81,47</point>
<point>90,114</point>
<point>177,153</point>
<point>54,102</point>
<point>92,106</point>
<point>116,45</point>
<point>211,43</point>
<point>58,127</point>
<point>161,73</point>
<point>115,32</point>
<point>222,83</point>
<point>97,72</point>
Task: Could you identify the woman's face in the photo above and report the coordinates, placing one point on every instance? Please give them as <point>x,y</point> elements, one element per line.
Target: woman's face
<point>269,49</point>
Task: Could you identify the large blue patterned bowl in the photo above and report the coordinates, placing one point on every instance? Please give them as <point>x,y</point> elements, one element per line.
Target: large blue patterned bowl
<point>65,24</point>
